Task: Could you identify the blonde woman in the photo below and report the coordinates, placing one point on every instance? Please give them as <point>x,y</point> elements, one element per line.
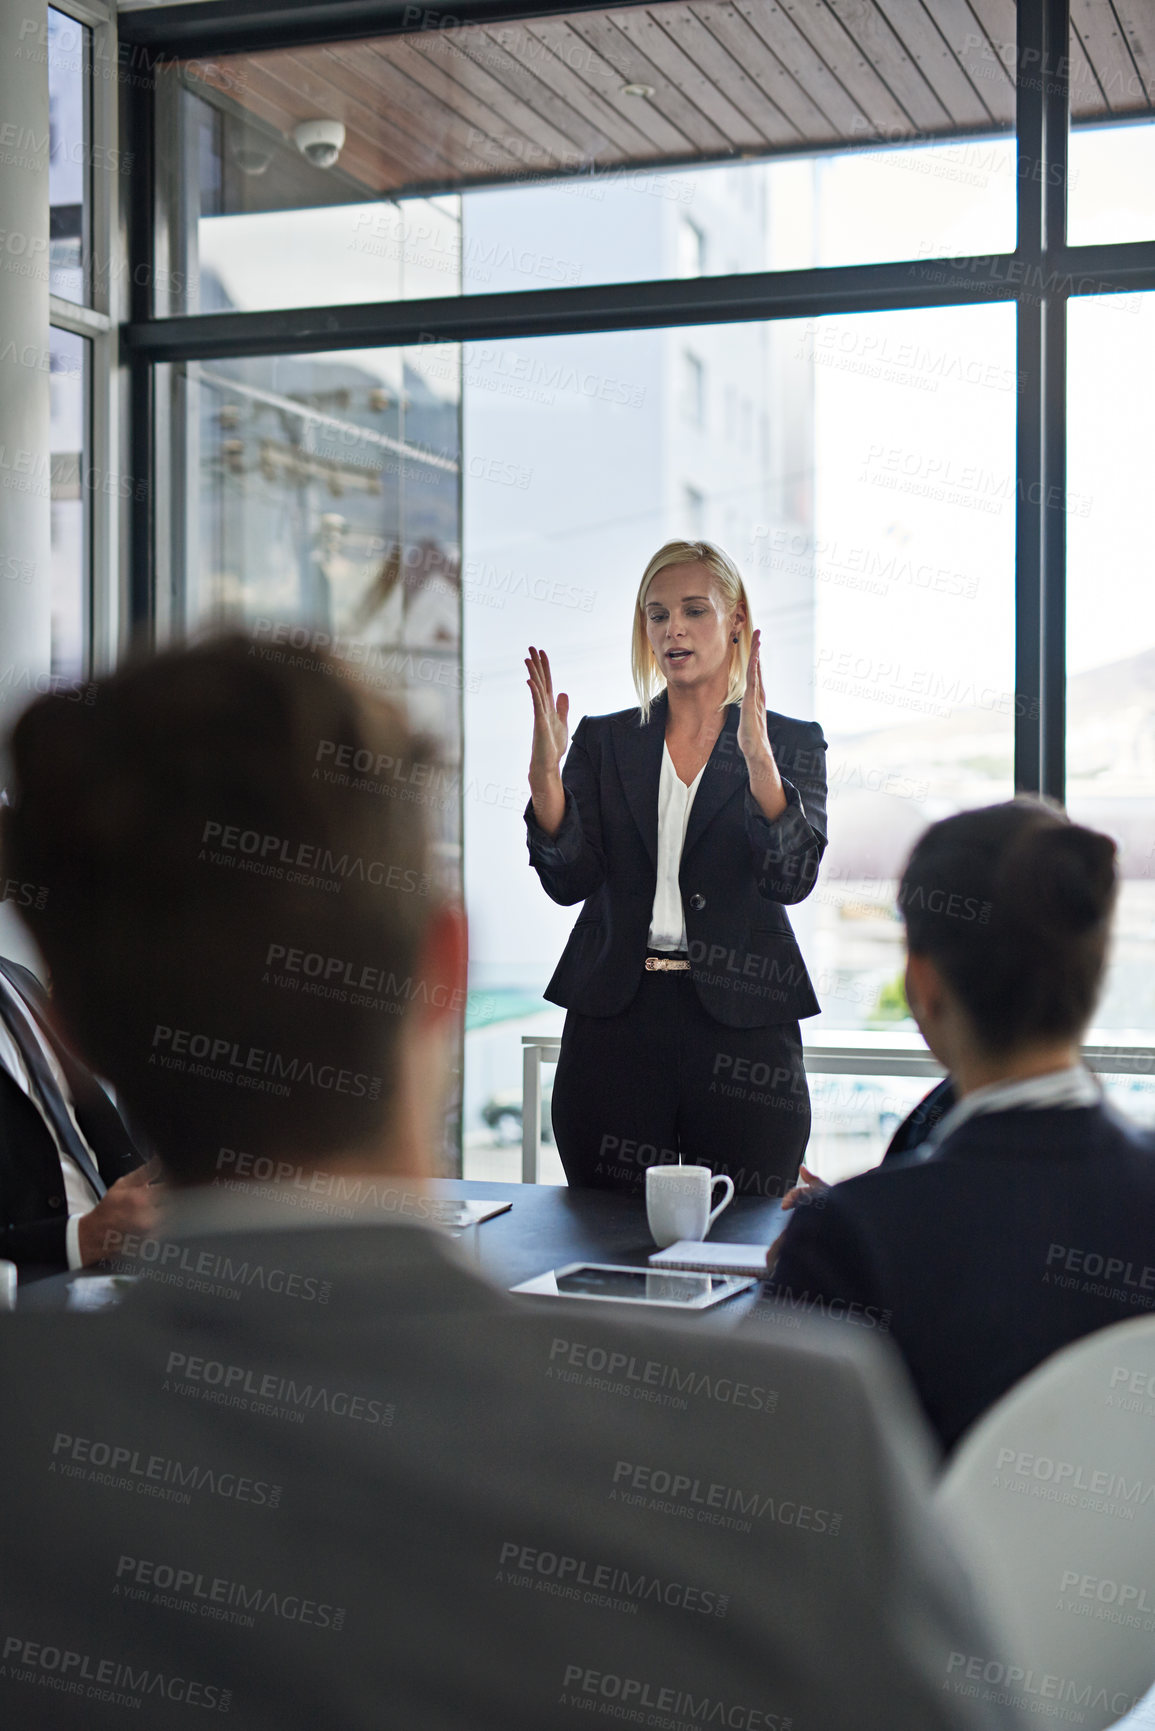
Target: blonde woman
<point>684,826</point>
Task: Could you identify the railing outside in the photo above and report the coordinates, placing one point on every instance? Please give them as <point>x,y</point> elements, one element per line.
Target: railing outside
<point>855,1054</point>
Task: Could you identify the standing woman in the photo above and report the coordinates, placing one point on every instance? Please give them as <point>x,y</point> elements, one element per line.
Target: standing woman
<point>684,826</point>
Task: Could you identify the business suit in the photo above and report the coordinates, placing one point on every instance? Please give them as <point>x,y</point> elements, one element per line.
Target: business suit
<point>920,1123</point>
<point>736,1010</point>
<point>967,1251</point>
<point>33,1206</point>
<point>493,1538</point>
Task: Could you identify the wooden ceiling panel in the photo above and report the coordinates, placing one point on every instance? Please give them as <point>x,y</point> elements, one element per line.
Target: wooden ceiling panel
<point>579,52</point>
<point>705,50</point>
<point>850,65</point>
<point>866,24</point>
<point>1106,47</point>
<point>783,37</point>
<point>748,49</point>
<point>699,135</point>
<point>715,81</point>
<point>1087,100</point>
<point>382,85</point>
<point>1137,18</point>
<point>567,67</point>
<point>483,121</point>
<point>525,84</point>
<point>312,85</point>
<point>986,70</point>
<point>442,49</point>
<point>676,71</point>
<point>936,61</point>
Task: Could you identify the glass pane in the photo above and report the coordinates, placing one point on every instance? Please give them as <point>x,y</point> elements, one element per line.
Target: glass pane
<point>861,472</point>
<point>69,158</point>
<point>1111,194</point>
<point>328,504</point>
<point>71,494</point>
<point>1111,187</point>
<point>1111,624</point>
<point>602,147</point>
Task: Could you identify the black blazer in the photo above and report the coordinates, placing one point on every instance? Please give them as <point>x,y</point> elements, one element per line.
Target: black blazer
<point>33,1210</point>
<point>918,1124</point>
<point>737,868</point>
<point>1022,1232</point>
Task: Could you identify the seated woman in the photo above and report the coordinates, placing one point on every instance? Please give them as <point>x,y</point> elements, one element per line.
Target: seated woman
<point>1032,1219</point>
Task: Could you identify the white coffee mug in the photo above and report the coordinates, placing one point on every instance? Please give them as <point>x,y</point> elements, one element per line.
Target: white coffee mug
<point>678,1202</point>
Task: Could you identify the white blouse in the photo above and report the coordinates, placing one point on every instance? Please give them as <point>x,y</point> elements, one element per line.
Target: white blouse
<point>668,922</point>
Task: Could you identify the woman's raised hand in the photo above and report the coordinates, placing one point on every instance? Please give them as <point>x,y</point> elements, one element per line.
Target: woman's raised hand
<point>550,720</point>
<point>752,740</point>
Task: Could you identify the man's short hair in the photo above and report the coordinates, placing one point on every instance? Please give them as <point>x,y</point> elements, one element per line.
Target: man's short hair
<point>233,896</point>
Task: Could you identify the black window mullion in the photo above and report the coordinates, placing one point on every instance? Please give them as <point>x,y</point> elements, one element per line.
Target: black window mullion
<point>139,116</point>
<point>1040,442</point>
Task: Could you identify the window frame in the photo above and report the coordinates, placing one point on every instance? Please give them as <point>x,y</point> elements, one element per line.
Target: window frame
<point>98,320</point>
<point>1039,277</point>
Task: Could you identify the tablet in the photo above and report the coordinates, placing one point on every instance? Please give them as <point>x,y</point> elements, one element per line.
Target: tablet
<point>609,1283</point>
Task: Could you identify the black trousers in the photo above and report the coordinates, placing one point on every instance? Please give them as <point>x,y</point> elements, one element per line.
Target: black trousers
<point>664,1080</point>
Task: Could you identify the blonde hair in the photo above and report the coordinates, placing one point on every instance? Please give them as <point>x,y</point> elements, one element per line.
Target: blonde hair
<point>648,677</point>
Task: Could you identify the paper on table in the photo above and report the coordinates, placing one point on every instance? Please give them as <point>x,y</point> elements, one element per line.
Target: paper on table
<point>712,1258</point>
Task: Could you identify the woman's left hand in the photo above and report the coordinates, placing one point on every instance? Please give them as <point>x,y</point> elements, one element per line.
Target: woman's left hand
<point>754,742</point>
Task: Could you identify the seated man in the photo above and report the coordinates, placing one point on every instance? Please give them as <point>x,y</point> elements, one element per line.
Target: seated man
<point>69,1174</point>
<point>1023,1220</point>
<point>317,1472</point>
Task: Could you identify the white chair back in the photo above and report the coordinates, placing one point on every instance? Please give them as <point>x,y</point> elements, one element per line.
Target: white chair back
<point>1052,1497</point>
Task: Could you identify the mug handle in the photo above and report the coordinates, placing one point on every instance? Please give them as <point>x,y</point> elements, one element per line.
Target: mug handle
<point>721,1178</point>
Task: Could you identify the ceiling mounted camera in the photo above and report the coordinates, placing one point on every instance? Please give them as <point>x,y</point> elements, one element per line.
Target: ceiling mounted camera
<point>320,141</point>
<point>251,156</point>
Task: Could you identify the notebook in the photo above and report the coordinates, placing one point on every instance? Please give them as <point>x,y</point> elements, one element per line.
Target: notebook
<point>712,1258</point>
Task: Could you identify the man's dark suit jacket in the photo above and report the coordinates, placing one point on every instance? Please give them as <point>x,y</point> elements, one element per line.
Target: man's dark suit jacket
<point>737,868</point>
<point>1023,1231</point>
<point>921,1122</point>
<point>33,1209</point>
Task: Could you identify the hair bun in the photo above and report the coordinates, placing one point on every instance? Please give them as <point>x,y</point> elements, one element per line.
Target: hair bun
<point>1068,873</point>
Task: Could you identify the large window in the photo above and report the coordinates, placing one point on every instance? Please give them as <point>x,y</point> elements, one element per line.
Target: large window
<point>878,546</point>
<point>769,275</point>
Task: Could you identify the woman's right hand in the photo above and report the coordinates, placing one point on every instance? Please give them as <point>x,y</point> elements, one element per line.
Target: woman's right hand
<point>550,721</point>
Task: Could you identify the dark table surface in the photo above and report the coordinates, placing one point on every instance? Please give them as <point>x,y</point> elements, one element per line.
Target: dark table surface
<point>547,1226</point>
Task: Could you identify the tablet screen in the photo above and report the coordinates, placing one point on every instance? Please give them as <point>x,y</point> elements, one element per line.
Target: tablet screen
<point>640,1283</point>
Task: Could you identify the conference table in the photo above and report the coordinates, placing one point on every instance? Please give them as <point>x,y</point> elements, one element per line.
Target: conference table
<point>546,1226</point>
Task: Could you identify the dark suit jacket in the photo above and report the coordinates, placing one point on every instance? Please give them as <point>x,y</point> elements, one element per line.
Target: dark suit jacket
<point>1022,1232</point>
<point>33,1211</point>
<point>919,1123</point>
<point>381,1495</point>
<point>737,869</point>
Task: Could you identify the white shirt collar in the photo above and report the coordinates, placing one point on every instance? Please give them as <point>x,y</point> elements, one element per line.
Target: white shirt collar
<point>1071,1087</point>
